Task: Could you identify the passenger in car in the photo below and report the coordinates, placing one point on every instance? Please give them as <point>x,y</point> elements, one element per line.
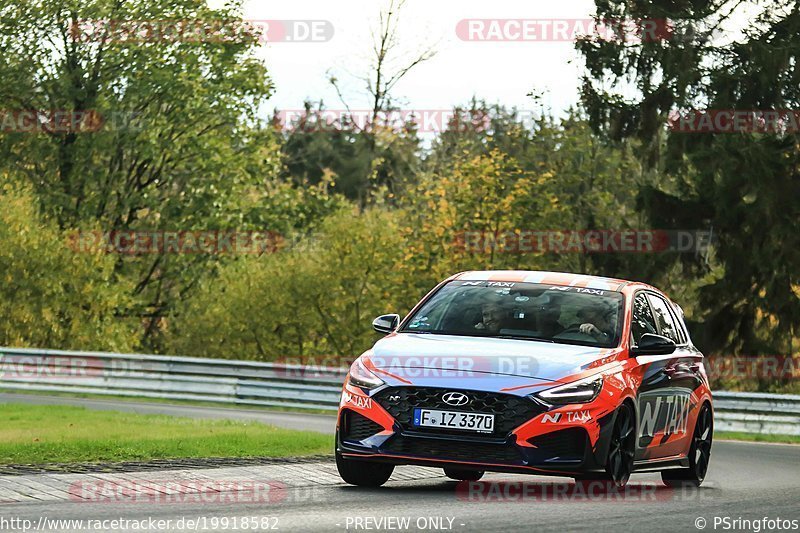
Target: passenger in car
<point>549,316</point>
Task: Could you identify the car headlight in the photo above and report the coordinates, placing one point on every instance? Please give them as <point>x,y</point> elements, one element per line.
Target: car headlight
<point>581,391</point>
<point>362,377</point>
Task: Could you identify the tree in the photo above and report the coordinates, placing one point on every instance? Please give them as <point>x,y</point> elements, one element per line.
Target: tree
<point>560,177</point>
<point>50,296</point>
<point>315,298</point>
<point>341,153</point>
<point>739,184</point>
<point>390,64</point>
<point>179,149</point>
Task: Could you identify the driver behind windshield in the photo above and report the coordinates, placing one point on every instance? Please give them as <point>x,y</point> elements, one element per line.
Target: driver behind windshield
<point>492,318</point>
<point>597,321</point>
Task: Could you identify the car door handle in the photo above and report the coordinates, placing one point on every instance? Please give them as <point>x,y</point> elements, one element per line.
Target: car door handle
<point>662,375</point>
<point>682,368</point>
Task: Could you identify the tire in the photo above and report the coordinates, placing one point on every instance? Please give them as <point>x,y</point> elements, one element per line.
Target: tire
<point>460,474</point>
<point>363,473</point>
<point>622,447</point>
<point>699,453</point>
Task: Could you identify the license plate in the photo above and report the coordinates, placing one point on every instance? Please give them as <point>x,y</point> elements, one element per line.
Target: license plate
<point>433,418</point>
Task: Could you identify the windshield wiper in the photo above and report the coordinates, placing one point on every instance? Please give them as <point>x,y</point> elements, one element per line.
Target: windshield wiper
<point>477,334</point>
<point>523,338</point>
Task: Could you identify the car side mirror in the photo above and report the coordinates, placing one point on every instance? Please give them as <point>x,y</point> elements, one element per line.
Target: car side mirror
<point>386,323</point>
<point>651,344</point>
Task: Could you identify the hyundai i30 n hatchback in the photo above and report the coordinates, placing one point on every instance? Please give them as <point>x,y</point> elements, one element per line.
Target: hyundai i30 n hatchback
<point>529,372</point>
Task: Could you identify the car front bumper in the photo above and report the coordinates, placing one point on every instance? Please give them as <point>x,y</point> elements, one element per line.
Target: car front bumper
<point>379,428</point>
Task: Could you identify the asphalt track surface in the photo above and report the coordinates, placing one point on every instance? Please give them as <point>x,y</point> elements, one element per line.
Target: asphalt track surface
<point>749,486</point>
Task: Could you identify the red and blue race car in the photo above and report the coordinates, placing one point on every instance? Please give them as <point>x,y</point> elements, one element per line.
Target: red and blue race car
<point>529,372</point>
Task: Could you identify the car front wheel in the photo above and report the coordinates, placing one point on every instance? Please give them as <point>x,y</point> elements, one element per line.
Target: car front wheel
<point>623,441</point>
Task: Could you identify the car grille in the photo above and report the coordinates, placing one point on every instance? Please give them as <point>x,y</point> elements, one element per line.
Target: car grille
<point>564,445</point>
<point>510,411</point>
<point>478,452</point>
<point>356,427</point>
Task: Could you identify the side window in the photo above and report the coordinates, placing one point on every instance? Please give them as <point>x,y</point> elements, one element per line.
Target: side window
<point>642,320</point>
<point>666,324</point>
<point>681,323</point>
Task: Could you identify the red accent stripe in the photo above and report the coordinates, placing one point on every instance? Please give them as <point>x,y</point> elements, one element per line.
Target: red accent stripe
<point>518,387</point>
<point>455,462</point>
<point>398,378</point>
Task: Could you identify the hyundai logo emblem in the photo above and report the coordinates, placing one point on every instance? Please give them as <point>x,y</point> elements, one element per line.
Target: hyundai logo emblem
<point>455,398</point>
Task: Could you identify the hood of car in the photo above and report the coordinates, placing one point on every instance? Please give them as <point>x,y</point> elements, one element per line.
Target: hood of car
<point>477,362</point>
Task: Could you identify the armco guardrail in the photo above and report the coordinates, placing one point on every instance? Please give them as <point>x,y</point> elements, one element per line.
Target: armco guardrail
<point>174,378</point>
<point>756,412</point>
<point>279,385</point>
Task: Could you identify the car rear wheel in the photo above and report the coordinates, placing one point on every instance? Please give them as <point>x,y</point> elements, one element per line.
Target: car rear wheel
<point>699,453</point>
<point>461,474</point>
<point>363,473</point>
<point>621,450</point>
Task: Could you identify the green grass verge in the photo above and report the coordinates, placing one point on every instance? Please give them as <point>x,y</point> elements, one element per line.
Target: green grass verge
<point>750,437</point>
<point>65,434</point>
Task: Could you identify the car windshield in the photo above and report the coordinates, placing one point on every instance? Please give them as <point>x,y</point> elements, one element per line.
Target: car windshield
<point>569,315</point>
